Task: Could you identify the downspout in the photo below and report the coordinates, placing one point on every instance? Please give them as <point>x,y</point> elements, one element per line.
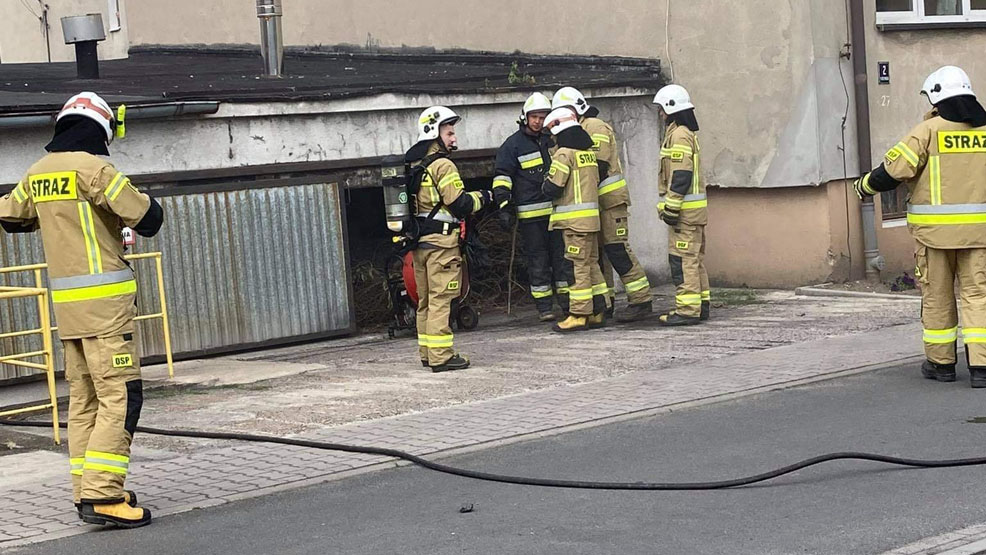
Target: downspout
<point>871,250</point>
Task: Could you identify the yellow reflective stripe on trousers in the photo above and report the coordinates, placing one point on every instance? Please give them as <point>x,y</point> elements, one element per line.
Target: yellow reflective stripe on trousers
<point>541,291</point>
<point>706,295</point>
<point>600,289</point>
<point>94,292</point>
<point>908,154</point>
<point>93,255</point>
<point>580,294</point>
<point>76,465</point>
<point>106,462</point>
<point>116,186</point>
<point>934,167</point>
<point>941,336</point>
<point>435,341</point>
<point>689,300</point>
<point>637,285</point>
<point>974,335</point>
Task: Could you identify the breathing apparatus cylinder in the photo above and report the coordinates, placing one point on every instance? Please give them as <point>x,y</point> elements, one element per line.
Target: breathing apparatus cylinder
<point>395,194</point>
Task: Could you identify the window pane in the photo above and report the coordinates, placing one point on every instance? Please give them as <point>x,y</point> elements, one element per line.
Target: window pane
<point>894,203</point>
<point>942,7</point>
<point>893,5</point>
<point>979,4</point>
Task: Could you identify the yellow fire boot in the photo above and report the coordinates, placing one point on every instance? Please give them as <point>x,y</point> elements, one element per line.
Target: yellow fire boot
<point>597,321</point>
<point>116,514</point>
<point>129,497</point>
<point>572,323</point>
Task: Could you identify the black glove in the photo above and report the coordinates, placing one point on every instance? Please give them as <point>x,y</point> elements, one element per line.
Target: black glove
<point>507,218</point>
<point>670,216</point>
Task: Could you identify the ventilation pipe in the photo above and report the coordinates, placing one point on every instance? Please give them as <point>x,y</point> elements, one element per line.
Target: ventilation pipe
<point>271,41</point>
<point>84,31</point>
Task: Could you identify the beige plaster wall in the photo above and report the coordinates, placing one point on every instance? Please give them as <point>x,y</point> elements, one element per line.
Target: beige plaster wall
<point>913,55</point>
<point>22,39</point>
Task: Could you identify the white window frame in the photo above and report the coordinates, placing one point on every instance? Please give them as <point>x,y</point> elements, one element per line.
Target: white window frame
<point>114,15</point>
<point>916,16</point>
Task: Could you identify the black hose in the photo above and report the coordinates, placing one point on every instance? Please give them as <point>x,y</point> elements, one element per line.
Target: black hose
<point>544,482</point>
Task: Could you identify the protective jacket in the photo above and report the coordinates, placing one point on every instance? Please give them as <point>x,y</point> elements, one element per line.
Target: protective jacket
<point>443,200</point>
<point>521,163</point>
<point>680,185</point>
<point>612,183</point>
<point>81,203</point>
<point>573,183</point>
<point>944,165</point>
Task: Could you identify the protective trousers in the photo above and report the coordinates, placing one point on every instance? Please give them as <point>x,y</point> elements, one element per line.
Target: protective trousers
<point>105,398</point>
<point>438,276</point>
<point>686,254</point>
<point>937,270</point>
<point>547,269</point>
<point>587,295</point>
<point>616,254</point>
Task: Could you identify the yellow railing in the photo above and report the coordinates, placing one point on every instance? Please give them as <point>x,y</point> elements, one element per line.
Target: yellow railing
<point>47,353</point>
<point>46,329</point>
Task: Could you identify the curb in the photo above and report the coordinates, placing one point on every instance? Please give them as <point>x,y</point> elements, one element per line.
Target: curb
<point>816,291</point>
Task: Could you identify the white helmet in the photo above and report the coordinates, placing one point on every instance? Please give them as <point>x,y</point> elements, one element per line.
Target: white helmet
<point>537,102</point>
<point>946,82</point>
<point>673,99</point>
<point>90,105</point>
<point>570,96</point>
<point>560,119</point>
<point>432,119</point>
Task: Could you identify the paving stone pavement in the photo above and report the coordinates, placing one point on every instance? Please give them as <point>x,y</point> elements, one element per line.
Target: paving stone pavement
<point>39,512</point>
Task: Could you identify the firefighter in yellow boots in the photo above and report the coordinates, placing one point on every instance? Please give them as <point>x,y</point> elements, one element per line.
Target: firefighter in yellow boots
<point>614,205</point>
<point>943,162</point>
<point>81,203</point>
<point>441,202</point>
<point>683,207</point>
<point>572,183</point>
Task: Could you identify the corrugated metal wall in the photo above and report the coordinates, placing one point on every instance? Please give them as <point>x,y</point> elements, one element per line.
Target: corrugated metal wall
<point>242,268</point>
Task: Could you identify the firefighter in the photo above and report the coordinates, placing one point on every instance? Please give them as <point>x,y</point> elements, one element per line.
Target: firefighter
<point>614,203</point>
<point>81,203</point>
<point>943,162</point>
<point>441,204</point>
<point>573,184</point>
<point>683,207</point>
<point>521,164</point>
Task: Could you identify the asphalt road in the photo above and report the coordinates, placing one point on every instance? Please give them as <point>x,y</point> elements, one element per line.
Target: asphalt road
<point>843,507</point>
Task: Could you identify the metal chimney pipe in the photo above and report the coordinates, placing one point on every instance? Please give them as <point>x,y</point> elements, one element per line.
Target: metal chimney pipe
<point>271,41</point>
<point>84,31</point>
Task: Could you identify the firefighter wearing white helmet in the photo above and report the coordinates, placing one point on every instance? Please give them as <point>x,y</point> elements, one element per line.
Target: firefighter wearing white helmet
<point>521,163</point>
<point>441,204</point>
<point>942,161</point>
<point>80,202</point>
<point>614,203</point>
<point>683,207</point>
<point>572,183</point>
